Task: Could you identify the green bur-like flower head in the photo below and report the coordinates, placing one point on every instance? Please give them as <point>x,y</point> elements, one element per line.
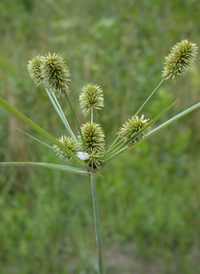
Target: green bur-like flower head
<point>91,97</point>
<point>70,144</point>
<point>131,127</point>
<point>55,73</point>
<point>93,136</point>
<point>35,70</point>
<point>96,158</point>
<point>182,56</point>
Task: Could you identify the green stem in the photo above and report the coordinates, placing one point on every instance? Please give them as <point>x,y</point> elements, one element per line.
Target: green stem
<point>113,147</point>
<point>96,221</point>
<point>92,114</point>
<point>58,109</point>
<point>138,111</point>
<point>66,95</point>
<point>151,95</point>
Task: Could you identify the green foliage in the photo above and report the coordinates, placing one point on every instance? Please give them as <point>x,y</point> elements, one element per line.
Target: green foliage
<point>149,199</point>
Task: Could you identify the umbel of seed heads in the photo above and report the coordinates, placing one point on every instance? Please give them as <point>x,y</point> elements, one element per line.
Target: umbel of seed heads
<point>52,72</point>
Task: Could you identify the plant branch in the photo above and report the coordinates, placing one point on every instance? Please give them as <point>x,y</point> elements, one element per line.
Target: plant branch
<point>92,114</point>
<point>151,95</point>
<point>59,110</point>
<point>66,95</point>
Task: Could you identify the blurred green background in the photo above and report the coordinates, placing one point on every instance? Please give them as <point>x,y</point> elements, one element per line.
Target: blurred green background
<point>149,197</point>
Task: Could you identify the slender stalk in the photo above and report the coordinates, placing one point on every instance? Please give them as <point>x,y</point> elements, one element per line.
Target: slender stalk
<point>58,109</point>
<point>139,110</point>
<point>61,111</point>
<point>96,221</point>
<point>76,120</point>
<point>113,147</point>
<point>92,113</point>
<point>151,95</point>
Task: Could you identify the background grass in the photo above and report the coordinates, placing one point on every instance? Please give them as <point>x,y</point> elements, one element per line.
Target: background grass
<point>148,197</point>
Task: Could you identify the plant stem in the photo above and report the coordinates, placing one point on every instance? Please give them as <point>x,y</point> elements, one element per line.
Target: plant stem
<point>113,147</point>
<point>76,120</point>
<point>96,221</point>
<point>58,109</point>
<point>115,141</point>
<point>151,95</point>
<point>92,112</point>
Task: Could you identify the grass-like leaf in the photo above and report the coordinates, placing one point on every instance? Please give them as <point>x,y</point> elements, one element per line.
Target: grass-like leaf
<point>39,141</point>
<point>43,132</point>
<point>170,121</point>
<point>47,165</point>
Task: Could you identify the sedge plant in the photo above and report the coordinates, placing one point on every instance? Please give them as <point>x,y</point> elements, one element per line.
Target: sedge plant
<point>86,153</point>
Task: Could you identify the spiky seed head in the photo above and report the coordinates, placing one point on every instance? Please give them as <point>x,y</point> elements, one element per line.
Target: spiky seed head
<point>70,144</point>
<point>34,69</point>
<point>55,73</point>
<point>91,97</point>
<point>96,159</point>
<point>131,127</point>
<point>93,136</point>
<point>182,56</point>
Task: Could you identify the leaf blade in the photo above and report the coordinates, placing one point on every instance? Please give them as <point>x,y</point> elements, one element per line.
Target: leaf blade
<point>43,132</point>
<point>34,138</point>
<point>65,168</point>
<point>173,119</point>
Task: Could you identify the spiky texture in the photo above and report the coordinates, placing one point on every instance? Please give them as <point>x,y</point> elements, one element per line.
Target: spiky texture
<point>34,69</point>
<point>182,56</point>
<point>55,73</point>
<point>91,97</point>
<point>70,144</point>
<point>131,127</point>
<point>93,136</point>
<point>96,159</point>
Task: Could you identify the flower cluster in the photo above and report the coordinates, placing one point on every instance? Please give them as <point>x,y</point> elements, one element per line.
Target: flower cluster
<point>94,139</point>
<point>93,136</point>
<point>50,71</point>
<point>34,69</point>
<point>91,97</point>
<point>131,127</point>
<point>182,56</point>
<point>70,144</point>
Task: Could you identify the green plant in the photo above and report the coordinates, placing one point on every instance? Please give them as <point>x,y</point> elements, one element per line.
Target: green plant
<point>88,149</point>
